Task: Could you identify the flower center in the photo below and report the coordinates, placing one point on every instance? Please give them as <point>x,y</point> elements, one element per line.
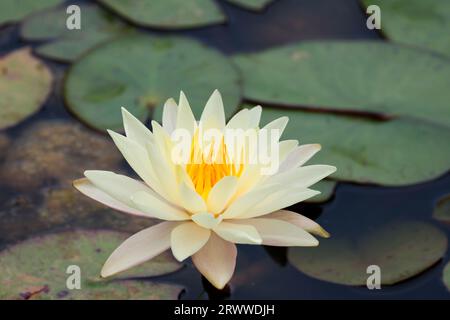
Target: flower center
<point>207,166</point>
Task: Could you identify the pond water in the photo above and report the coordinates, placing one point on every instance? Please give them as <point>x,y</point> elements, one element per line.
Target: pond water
<point>264,273</point>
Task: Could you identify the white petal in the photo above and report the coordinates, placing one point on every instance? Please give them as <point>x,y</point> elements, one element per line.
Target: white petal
<point>191,200</point>
<point>299,156</point>
<point>206,220</point>
<point>302,176</point>
<point>185,117</point>
<point>213,115</point>
<point>187,238</point>
<point>241,205</point>
<point>239,121</point>
<point>139,248</point>
<point>277,124</point>
<point>158,208</point>
<point>286,147</point>
<point>254,115</point>
<point>238,233</point>
<point>88,189</point>
<point>135,129</point>
<point>221,193</point>
<point>250,177</point>
<point>299,221</point>
<point>169,116</point>
<point>280,233</point>
<point>216,261</point>
<point>277,200</point>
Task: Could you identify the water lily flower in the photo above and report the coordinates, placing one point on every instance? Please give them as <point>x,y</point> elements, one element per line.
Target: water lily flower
<point>207,206</point>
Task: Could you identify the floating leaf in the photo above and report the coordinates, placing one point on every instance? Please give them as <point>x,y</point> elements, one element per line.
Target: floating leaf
<point>362,76</point>
<point>56,150</point>
<point>168,14</point>
<point>402,250</point>
<point>36,269</point>
<point>442,209</point>
<point>255,5</point>
<point>416,22</point>
<point>141,72</point>
<point>14,10</point>
<point>446,276</point>
<point>67,45</point>
<point>326,188</point>
<point>25,83</point>
<point>391,153</point>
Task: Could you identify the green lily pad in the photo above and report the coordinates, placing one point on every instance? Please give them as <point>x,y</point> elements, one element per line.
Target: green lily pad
<point>13,10</point>
<point>168,14</point>
<point>326,188</point>
<point>97,26</point>
<point>416,22</point>
<point>442,209</point>
<point>402,250</point>
<point>446,276</point>
<point>255,5</point>
<point>21,73</point>
<point>141,72</point>
<point>391,153</point>
<point>36,269</point>
<point>360,76</point>
<point>60,151</point>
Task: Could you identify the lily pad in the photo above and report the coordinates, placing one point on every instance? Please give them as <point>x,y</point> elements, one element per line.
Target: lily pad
<point>255,5</point>
<point>446,276</point>
<point>36,269</point>
<point>97,26</point>
<point>21,73</point>
<point>390,153</point>
<point>372,77</point>
<point>402,250</point>
<point>168,14</point>
<point>13,10</point>
<point>141,72</point>
<point>326,188</point>
<point>442,209</point>
<point>416,22</point>
<point>56,151</point>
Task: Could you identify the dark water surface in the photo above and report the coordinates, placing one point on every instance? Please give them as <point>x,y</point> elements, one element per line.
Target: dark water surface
<point>263,273</point>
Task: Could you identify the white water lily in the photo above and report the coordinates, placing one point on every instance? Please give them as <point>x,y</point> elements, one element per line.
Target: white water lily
<point>207,206</point>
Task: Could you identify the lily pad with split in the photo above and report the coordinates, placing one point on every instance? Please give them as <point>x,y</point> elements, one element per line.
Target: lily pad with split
<point>416,22</point>
<point>13,10</point>
<point>442,209</point>
<point>254,5</point>
<point>66,45</point>
<point>371,77</point>
<point>401,249</point>
<point>25,83</point>
<point>141,72</point>
<point>36,269</point>
<point>168,14</point>
<point>391,153</point>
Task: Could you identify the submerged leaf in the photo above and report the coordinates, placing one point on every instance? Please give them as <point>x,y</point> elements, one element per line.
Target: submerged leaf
<point>168,14</point>
<point>141,72</point>
<point>446,276</point>
<point>25,83</point>
<point>354,76</point>
<point>97,26</point>
<point>402,250</point>
<point>255,5</point>
<point>37,269</point>
<point>391,153</point>
<point>442,209</point>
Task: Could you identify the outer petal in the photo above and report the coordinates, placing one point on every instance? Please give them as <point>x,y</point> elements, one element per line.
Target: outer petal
<point>151,205</point>
<point>221,193</point>
<point>255,116</point>
<point>302,176</point>
<point>286,147</point>
<point>239,121</point>
<point>281,233</point>
<point>238,233</point>
<point>299,221</point>
<point>135,129</point>
<point>88,189</point>
<point>169,116</point>
<point>299,156</point>
<point>139,248</point>
<point>216,261</point>
<point>277,124</point>
<point>185,117</point>
<point>187,239</point>
<point>213,115</point>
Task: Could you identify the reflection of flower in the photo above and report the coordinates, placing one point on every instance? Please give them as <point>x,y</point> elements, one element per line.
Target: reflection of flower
<point>208,205</point>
